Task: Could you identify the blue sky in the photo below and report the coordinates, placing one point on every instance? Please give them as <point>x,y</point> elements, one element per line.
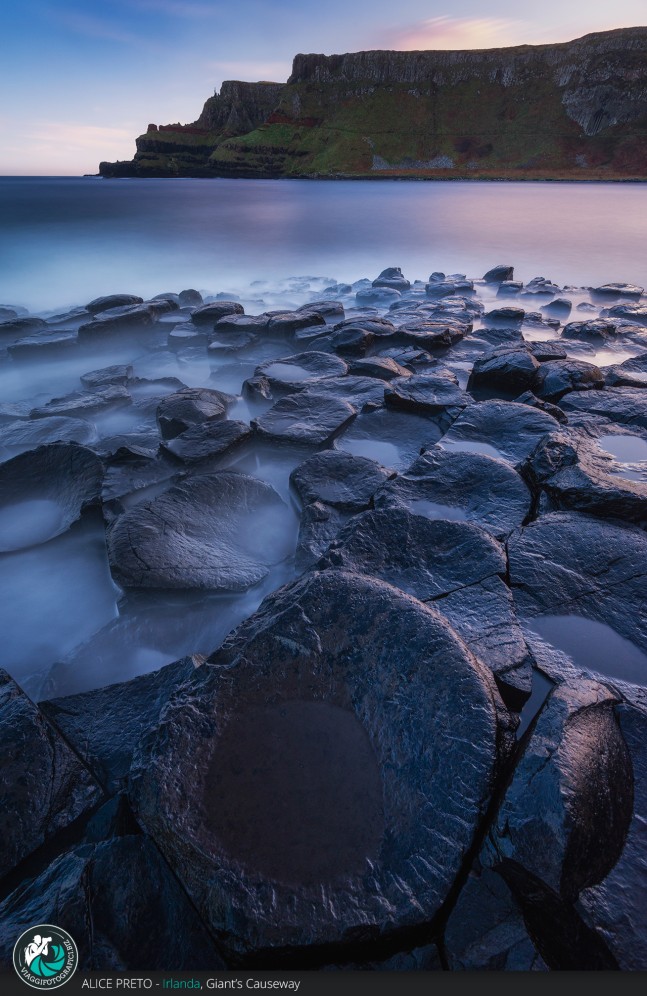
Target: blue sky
<point>80,79</point>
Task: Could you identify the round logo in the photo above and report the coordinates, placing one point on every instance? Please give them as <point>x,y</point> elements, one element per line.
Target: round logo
<point>45,956</point>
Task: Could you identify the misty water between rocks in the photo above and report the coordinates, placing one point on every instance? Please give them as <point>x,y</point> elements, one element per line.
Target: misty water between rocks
<point>271,245</point>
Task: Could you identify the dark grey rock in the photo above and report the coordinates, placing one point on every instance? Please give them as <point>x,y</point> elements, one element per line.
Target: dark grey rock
<point>287,322</point>
<point>119,374</point>
<point>187,335</point>
<point>509,288</point>
<point>595,328</point>
<point>460,486</point>
<point>377,295</point>
<point>508,430</point>
<point>16,328</point>
<point>128,323</point>
<point>426,394</point>
<point>339,479</point>
<point>618,290</point>
<point>84,402</point>
<point>207,441</point>
<point>614,907</point>
<point>568,563</point>
<point>44,785</point>
<point>43,491</point>
<point>190,298</point>
<point>190,407</point>
<point>574,473</point>
<point>544,351</point>
<point>28,434</point>
<point>486,930</point>
<point>508,369</point>
<point>307,418</point>
<point>391,437</point>
<point>383,367</point>
<point>392,277</point>
<point>566,812</point>
<point>301,370</point>
<point>325,308</point>
<point>43,345</point>
<point>319,525</point>
<point>100,304</point>
<point>241,324</point>
<point>432,333</point>
<point>528,398</point>
<point>122,905</point>
<point>498,274</point>
<point>555,378</point>
<point>454,565</point>
<point>559,307</point>
<point>221,531</point>
<point>209,314</point>
<point>504,317</point>
<point>636,313</point>
<point>104,726</point>
<point>335,699</point>
<point>624,405</point>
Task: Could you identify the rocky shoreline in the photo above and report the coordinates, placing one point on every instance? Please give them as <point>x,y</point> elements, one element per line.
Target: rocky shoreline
<point>391,538</point>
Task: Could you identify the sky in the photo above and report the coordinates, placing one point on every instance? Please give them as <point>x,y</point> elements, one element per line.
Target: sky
<point>80,79</point>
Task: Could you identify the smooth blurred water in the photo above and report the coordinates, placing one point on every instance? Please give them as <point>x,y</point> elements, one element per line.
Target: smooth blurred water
<point>64,240</point>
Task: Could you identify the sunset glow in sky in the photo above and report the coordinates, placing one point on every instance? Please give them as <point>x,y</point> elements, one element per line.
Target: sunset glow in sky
<point>81,79</point>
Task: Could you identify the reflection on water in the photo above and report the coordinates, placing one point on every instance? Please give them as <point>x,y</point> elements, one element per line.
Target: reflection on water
<point>541,686</point>
<point>65,240</point>
<point>630,451</point>
<point>593,646</point>
<point>435,510</point>
<point>375,449</point>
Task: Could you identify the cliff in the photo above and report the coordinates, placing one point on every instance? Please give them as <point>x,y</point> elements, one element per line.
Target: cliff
<point>184,150</point>
<point>576,110</point>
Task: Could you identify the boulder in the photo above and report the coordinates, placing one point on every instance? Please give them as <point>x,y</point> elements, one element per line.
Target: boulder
<point>85,402</point>
<point>498,274</point>
<point>432,333</point>
<point>377,295</point>
<point>119,374</point>
<point>41,346</point>
<point>221,532</point>
<point>190,298</point>
<point>294,373</point>
<point>283,323</point>
<point>504,317</point>
<point>426,394</point>
<point>617,290</point>
<point>209,314</point>
<point>635,313</point>
<point>504,368</point>
<point>327,309</point>
<point>294,784</point>
<point>624,405</point>
<point>129,322</point>
<point>595,328</point>
<point>392,277</point>
<point>383,367</point>
<point>559,307</point>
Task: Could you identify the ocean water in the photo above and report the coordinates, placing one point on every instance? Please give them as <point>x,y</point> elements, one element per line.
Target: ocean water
<point>64,241</point>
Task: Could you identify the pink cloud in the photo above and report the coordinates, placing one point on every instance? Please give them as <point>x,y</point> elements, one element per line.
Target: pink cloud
<point>458,32</point>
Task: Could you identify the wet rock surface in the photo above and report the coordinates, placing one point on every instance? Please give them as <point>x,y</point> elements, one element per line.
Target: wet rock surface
<point>45,786</point>
<point>300,665</point>
<point>425,748</point>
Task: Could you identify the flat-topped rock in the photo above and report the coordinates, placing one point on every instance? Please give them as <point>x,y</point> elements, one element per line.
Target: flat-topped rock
<point>207,441</point>
<point>460,487</point>
<point>454,565</point>
<point>290,373</point>
<point>618,290</point>
<point>426,394</point>
<point>307,418</point>
<point>511,369</point>
<point>84,402</point>
<point>118,374</point>
<point>321,745</point>
<point>503,429</point>
<point>339,479</point>
<point>221,531</point>
<point>555,378</point>
<point>138,318</point>
<point>635,313</point>
<point>287,322</point>
<point>504,317</point>
<point>624,405</point>
<point>432,333</point>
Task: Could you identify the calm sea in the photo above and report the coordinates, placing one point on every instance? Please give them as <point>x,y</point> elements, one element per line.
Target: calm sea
<point>64,241</point>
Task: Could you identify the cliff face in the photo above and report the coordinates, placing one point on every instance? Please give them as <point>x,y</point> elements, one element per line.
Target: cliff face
<point>575,110</point>
<point>184,150</point>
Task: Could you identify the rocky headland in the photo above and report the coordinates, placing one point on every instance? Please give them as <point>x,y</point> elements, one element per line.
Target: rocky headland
<point>576,110</point>
<point>388,540</point>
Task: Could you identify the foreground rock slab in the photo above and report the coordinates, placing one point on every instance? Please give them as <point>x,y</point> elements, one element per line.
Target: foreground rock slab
<point>294,785</point>
<point>44,785</point>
